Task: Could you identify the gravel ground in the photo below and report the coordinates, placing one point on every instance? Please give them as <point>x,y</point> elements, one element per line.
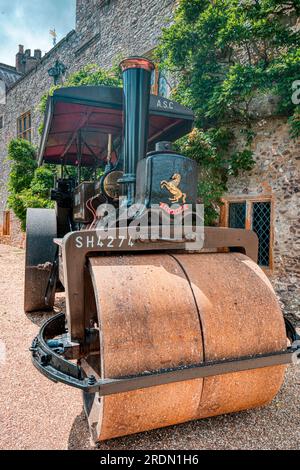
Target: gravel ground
<point>37,414</point>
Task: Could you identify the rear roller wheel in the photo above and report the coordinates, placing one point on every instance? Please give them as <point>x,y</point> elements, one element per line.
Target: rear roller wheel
<point>162,311</point>
<point>41,229</point>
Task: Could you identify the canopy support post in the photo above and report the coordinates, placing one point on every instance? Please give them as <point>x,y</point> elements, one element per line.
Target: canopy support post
<point>79,154</point>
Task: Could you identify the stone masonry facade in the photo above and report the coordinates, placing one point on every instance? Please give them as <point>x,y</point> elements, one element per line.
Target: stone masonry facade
<point>107,30</point>
<point>276,178</point>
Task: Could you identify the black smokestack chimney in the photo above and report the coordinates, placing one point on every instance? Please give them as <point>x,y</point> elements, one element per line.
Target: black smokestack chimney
<point>136,83</point>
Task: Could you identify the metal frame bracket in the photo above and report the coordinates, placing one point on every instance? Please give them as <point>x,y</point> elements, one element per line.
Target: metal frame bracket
<point>51,363</point>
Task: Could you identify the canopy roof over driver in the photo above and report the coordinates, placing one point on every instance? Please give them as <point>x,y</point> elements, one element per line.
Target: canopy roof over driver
<point>79,119</point>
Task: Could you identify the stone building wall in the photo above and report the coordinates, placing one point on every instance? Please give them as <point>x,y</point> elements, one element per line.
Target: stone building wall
<point>2,111</point>
<point>104,30</point>
<point>109,28</point>
<point>276,176</point>
<point>25,95</point>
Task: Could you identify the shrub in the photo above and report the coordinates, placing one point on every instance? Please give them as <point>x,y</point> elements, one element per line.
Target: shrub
<point>28,185</point>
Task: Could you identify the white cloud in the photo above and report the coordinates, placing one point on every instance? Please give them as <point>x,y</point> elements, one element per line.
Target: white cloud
<point>28,22</point>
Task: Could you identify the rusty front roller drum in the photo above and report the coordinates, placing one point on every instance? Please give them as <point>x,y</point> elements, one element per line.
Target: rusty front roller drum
<point>161,311</point>
<point>148,320</point>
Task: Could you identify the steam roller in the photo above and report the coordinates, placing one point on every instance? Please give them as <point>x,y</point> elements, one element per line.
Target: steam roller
<point>166,321</point>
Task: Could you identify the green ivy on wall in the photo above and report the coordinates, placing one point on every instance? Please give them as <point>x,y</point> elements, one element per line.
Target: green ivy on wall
<point>28,185</point>
<point>225,54</point>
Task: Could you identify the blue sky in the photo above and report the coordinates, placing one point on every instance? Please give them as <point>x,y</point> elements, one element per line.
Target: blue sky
<point>28,22</point>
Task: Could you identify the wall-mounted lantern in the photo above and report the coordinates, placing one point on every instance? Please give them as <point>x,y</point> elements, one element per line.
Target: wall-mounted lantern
<point>57,71</point>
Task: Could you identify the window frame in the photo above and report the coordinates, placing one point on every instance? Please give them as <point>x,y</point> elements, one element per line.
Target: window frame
<point>250,200</point>
<point>155,86</point>
<point>23,133</point>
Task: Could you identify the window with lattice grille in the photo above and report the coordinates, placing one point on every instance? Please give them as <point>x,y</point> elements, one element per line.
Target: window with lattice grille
<point>24,126</point>
<point>255,215</point>
<point>261,224</point>
<point>237,215</point>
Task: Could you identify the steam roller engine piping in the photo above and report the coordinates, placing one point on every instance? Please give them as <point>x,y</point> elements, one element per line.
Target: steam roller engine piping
<point>154,333</point>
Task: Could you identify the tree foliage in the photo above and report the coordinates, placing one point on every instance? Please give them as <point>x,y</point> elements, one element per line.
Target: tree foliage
<point>28,185</point>
<point>225,54</point>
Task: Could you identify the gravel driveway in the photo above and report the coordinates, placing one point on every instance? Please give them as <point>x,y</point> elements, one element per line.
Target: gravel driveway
<point>37,414</point>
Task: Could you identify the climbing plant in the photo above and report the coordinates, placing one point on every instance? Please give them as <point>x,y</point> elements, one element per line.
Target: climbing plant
<point>226,55</point>
<point>28,185</point>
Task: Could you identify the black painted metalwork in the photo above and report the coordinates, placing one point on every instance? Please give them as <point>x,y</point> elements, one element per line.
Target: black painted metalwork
<point>166,178</point>
<point>291,332</point>
<point>50,362</point>
<point>136,88</point>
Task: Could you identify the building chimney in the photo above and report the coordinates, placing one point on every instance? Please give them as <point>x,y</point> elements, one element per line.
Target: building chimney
<point>37,54</point>
<point>20,63</point>
<point>25,62</point>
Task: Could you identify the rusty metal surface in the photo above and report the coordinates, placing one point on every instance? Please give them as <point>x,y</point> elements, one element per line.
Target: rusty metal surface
<point>49,416</point>
<point>137,63</point>
<point>238,239</point>
<point>36,280</point>
<point>73,260</point>
<point>148,321</point>
<point>240,315</point>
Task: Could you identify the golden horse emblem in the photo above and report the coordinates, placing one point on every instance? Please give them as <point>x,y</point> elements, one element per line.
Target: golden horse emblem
<point>173,187</point>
